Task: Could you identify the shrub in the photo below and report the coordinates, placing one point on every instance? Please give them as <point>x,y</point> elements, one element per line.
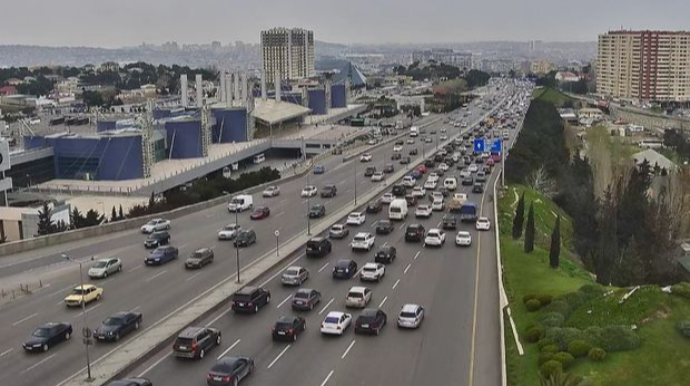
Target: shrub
<point>596,354</point>
<point>619,338</point>
<point>545,357</point>
<point>574,299</point>
<point>533,305</point>
<point>578,348</point>
<point>565,358</point>
<point>684,328</point>
<point>562,336</point>
<point>560,306</point>
<point>591,291</point>
<point>681,289</point>
<point>528,297</point>
<point>593,335</point>
<point>550,348</point>
<point>550,319</point>
<point>534,334</point>
<point>545,299</point>
<point>543,342</point>
<point>550,368</point>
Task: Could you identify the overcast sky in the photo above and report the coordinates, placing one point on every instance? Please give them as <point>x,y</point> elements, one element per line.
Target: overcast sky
<point>130,22</point>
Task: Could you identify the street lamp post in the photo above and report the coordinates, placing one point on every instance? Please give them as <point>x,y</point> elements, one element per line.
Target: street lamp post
<point>277,233</point>
<point>86,320</point>
<point>237,246</point>
<point>355,182</point>
<point>28,176</point>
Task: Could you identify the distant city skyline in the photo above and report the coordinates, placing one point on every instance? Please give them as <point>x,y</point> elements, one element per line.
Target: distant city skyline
<point>131,23</point>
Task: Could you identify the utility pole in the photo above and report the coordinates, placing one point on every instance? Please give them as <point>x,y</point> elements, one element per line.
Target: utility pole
<point>86,330</point>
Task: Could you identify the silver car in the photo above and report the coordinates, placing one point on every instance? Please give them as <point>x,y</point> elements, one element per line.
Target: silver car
<point>411,316</point>
<point>104,267</point>
<point>294,276</point>
<point>338,231</point>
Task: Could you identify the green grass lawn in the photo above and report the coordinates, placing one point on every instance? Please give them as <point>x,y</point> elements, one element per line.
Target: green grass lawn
<point>550,95</point>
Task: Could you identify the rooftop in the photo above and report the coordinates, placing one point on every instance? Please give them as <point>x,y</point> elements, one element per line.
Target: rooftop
<point>270,112</point>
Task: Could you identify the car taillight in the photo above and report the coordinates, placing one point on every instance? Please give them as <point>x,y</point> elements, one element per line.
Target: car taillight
<point>209,376</point>
<point>290,331</point>
<point>227,378</point>
<point>234,303</point>
<point>250,304</point>
<point>193,346</point>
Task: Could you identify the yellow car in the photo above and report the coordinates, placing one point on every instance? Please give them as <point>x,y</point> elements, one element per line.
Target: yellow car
<point>86,293</point>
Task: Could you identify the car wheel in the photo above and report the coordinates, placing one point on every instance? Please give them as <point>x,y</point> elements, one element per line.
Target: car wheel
<point>202,354</point>
<point>378,331</point>
<point>136,325</point>
<point>119,269</point>
<point>294,337</point>
<point>105,275</point>
<point>167,227</point>
<point>235,382</point>
<point>117,336</point>
<point>98,297</point>
<point>256,308</point>
<point>219,339</point>
<point>45,347</point>
<point>311,307</point>
<point>268,299</point>
<point>67,335</point>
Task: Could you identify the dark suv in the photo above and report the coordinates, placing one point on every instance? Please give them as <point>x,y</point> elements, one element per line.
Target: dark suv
<point>329,191</point>
<point>319,247</point>
<point>414,232</point>
<point>399,191</point>
<point>385,255</point>
<point>344,269</point>
<point>245,238</point>
<point>250,299</point>
<point>375,206</point>
<point>195,342</point>
<point>156,239</point>
<point>317,211</point>
<point>449,221</point>
<point>369,171</point>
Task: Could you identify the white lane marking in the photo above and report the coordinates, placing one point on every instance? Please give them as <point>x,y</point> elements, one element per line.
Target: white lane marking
<point>60,302</point>
<point>396,283</point>
<point>384,244</point>
<point>383,302</point>
<point>407,268</point>
<point>279,355</point>
<point>2,354</point>
<point>347,190</point>
<point>326,306</point>
<point>327,378</point>
<point>284,301</point>
<point>154,364</point>
<point>280,214</point>
<point>193,276</point>
<point>102,283</point>
<point>416,255</point>
<point>305,201</point>
<point>135,268</point>
<point>229,348</point>
<point>280,272</point>
<point>38,364</point>
<point>18,322</point>
<point>324,267</point>
<point>348,349</point>
<point>218,317</point>
<point>359,272</point>
<point>374,224</point>
<point>211,214</point>
<point>281,202</point>
<point>157,275</point>
<point>87,310</point>
<point>402,225</point>
<point>135,309</point>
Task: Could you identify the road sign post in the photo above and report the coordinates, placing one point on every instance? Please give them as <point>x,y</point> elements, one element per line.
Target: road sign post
<point>277,233</point>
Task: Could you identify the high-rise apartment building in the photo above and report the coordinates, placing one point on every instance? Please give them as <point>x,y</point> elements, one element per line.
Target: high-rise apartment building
<point>289,52</point>
<point>644,65</point>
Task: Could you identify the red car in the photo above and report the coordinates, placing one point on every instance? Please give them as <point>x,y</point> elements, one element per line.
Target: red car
<point>260,212</point>
<point>421,168</point>
<point>490,162</point>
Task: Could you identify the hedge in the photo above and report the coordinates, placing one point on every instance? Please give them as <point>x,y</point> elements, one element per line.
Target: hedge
<point>560,306</point>
<point>550,368</point>
<point>550,319</point>
<point>578,348</point>
<point>565,358</point>
<point>619,338</point>
<point>533,305</point>
<point>596,354</point>
<point>545,299</point>
<point>684,328</point>
<point>534,334</point>
<point>681,289</point>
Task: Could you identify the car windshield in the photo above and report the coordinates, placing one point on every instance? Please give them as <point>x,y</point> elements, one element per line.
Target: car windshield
<point>152,222</point>
<point>230,227</point>
<point>395,209</point>
<point>368,314</point>
<point>42,333</point>
<point>407,315</point>
<point>316,208</point>
<point>79,291</point>
<point>369,269</point>
<point>464,234</point>
<point>284,324</point>
<point>112,321</point>
<point>243,235</point>
<point>198,255</point>
<point>354,215</point>
<point>343,264</point>
<point>337,228</point>
<point>331,320</point>
<point>100,264</point>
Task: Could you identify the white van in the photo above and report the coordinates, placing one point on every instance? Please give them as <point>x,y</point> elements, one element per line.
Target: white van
<point>414,131</point>
<point>450,183</point>
<point>241,202</point>
<point>397,210</point>
<point>259,158</point>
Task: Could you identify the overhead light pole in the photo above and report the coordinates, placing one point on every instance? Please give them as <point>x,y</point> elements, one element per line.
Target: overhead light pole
<point>86,330</point>
<point>237,246</point>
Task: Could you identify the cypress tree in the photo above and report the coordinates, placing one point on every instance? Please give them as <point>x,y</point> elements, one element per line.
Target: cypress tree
<point>555,252</point>
<point>113,215</point>
<point>519,219</point>
<point>121,214</point>
<point>529,230</point>
<point>45,224</point>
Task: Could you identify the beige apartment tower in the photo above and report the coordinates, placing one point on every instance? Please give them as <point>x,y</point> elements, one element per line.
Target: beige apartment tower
<point>288,52</point>
<point>644,65</point>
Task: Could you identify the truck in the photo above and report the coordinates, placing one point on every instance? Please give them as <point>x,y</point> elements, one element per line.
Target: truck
<point>414,131</point>
<point>397,210</point>
<point>399,125</point>
<point>468,212</point>
<point>457,202</point>
<point>240,203</point>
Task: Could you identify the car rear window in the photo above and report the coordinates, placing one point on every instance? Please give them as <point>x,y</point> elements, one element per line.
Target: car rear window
<point>355,295</point>
<point>184,341</point>
<point>302,295</point>
<point>407,314</point>
<point>292,272</point>
<point>360,238</point>
<point>332,320</point>
<point>369,269</point>
<point>242,297</point>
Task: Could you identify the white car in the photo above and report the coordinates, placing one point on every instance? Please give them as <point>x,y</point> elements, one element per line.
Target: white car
<point>397,148</point>
<point>430,184</point>
<point>363,241</point>
<point>410,141</point>
<point>428,140</point>
<point>435,237</point>
<point>155,225</point>
<point>418,192</point>
<point>411,316</point>
<point>483,224</point>
<point>104,267</point>
<point>358,297</point>
<point>271,191</point>
<point>229,232</point>
<point>437,205</point>
<point>443,130</point>
<point>387,198</point>
<point>473,168</point>
<point>356,218</point>
<point>366,157</point>
<point>309,191</point>
<point>335,323</point>
<point>463,239</point>
<point>443,167</point>
<point>465,173</point>
<point>372,272</point>
<point>443,138</point>
<point>423,211</point>
<point>377,177</point>
<point>433,177</point>
<point>409,182</point>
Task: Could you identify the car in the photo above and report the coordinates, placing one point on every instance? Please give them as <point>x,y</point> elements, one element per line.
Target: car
<point>356,218</point>
<point>363,241</point>
<point>411,316</point>
<point>104,267</point>
<point>271,191</point>
<point>385,254</point>
<point>480,177</point>
<point>388,168</point>
<point>309,191</point>
<point>444,130</point>
<point>443,138</point>
<point>245,238</point>
<point>260,213</point>
<point>195,342</point>
<point>318,247</point>
<point>375,206</point>
<point>131,382</point>
<point>305,299</point>
<point>410,141</point>
<point>358,297</point>
<point>449,221</point>
<point>413,151</point>
<point>319,169</point>
<point>399,190</point>
<point>433,177</point>
<point>437,205</point>
<point>483,224</point>
<point>411,200</point>
<point>229,232</point>
<point>443,167</point>
<point>435,237</point>
<point>344,269</point>
<point>408,182</point>
<point>439,171</point>
<point>199,258</point>
<point>329,190</point>
<point>48,335</point>
<point>156,239</point>
<point>423,211</point>
<point>294,275</point>
<point>468,181</point>
<point>338,231</point>
<point>463,238</point>
<point>399,142</point>
<point>429,163</point>
<point>317,211</point>
<point>83,294</point>
<point>428,140</point>
<point>288,327</point>
<point>366,157</point>
<point>432,131</point>
<point>430,184</point>
<point>450,183</point>
<point>405,160</point>
<point>157,224</point>
<point>372,272</point>
<point>473,168</point>
<point>387,198</point>
<point>250,299</point>
<point>377,177</point>
<point>117,325</point>
<point>335,323</point>
<point>414,232</point>
<point>370,320</point>
<point>416,174</point>
<point>419,192</point>
<point>384,227</point>
<point>465,174</point>
<point>397,148</point>
<point>478,188</point>
<point>396,156</point>
<point>230,371</point>
<point>369,171</point>
<point>162,255</point>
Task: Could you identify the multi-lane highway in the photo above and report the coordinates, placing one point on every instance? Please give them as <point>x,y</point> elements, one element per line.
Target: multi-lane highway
<point>158,291</point>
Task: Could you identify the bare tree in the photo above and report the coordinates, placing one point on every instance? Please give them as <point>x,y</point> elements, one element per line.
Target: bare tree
<point>541,181</point>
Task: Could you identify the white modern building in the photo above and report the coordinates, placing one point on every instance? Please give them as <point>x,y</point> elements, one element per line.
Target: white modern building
<point>288,53</point>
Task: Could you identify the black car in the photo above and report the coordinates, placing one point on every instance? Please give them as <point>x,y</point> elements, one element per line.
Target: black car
<point>305,299</point>
<point>449,161</point>
<point>478,188</point>
<point>399,191</point>
<point>396,156</point>
<point>399,143</point>
<point>317,211</point>
<point>344,269</point>
<point>117,325</point>
<point>329,191</point>
<point>384,227</point>
<point>430,163</point>
<point>48,335</point>
<point>385,255</point>
<point>414,232</point>
<point>479,160</point>
<point>199,258</point>
<point>438,157</point>
<point>388,168</point>
<point>229,371</point>
<point>467,181</point>
<point>371,320</point>
<point>319,247</point>
<point>245,238</point>
<point>449,221</point>
<point>156,239</point>
<point>195,342</point>
<point>162,255</point>
<point>405,160</point>
<point>416,174</point>
<point>288,327</point>
<point>375,206</point>
<point>250,299</point>
<point>131,382</point>
<point>414,151</point>
<point>411,200</point>
<point>369,171</point>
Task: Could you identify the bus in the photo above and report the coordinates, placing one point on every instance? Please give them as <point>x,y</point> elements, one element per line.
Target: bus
<point>259,158</point>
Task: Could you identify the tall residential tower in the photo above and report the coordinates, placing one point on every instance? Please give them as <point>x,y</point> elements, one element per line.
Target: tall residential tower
<point>288,52</point>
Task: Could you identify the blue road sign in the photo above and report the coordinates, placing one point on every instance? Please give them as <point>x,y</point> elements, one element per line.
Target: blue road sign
<point>479,145</point>
<point>497,146</point>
